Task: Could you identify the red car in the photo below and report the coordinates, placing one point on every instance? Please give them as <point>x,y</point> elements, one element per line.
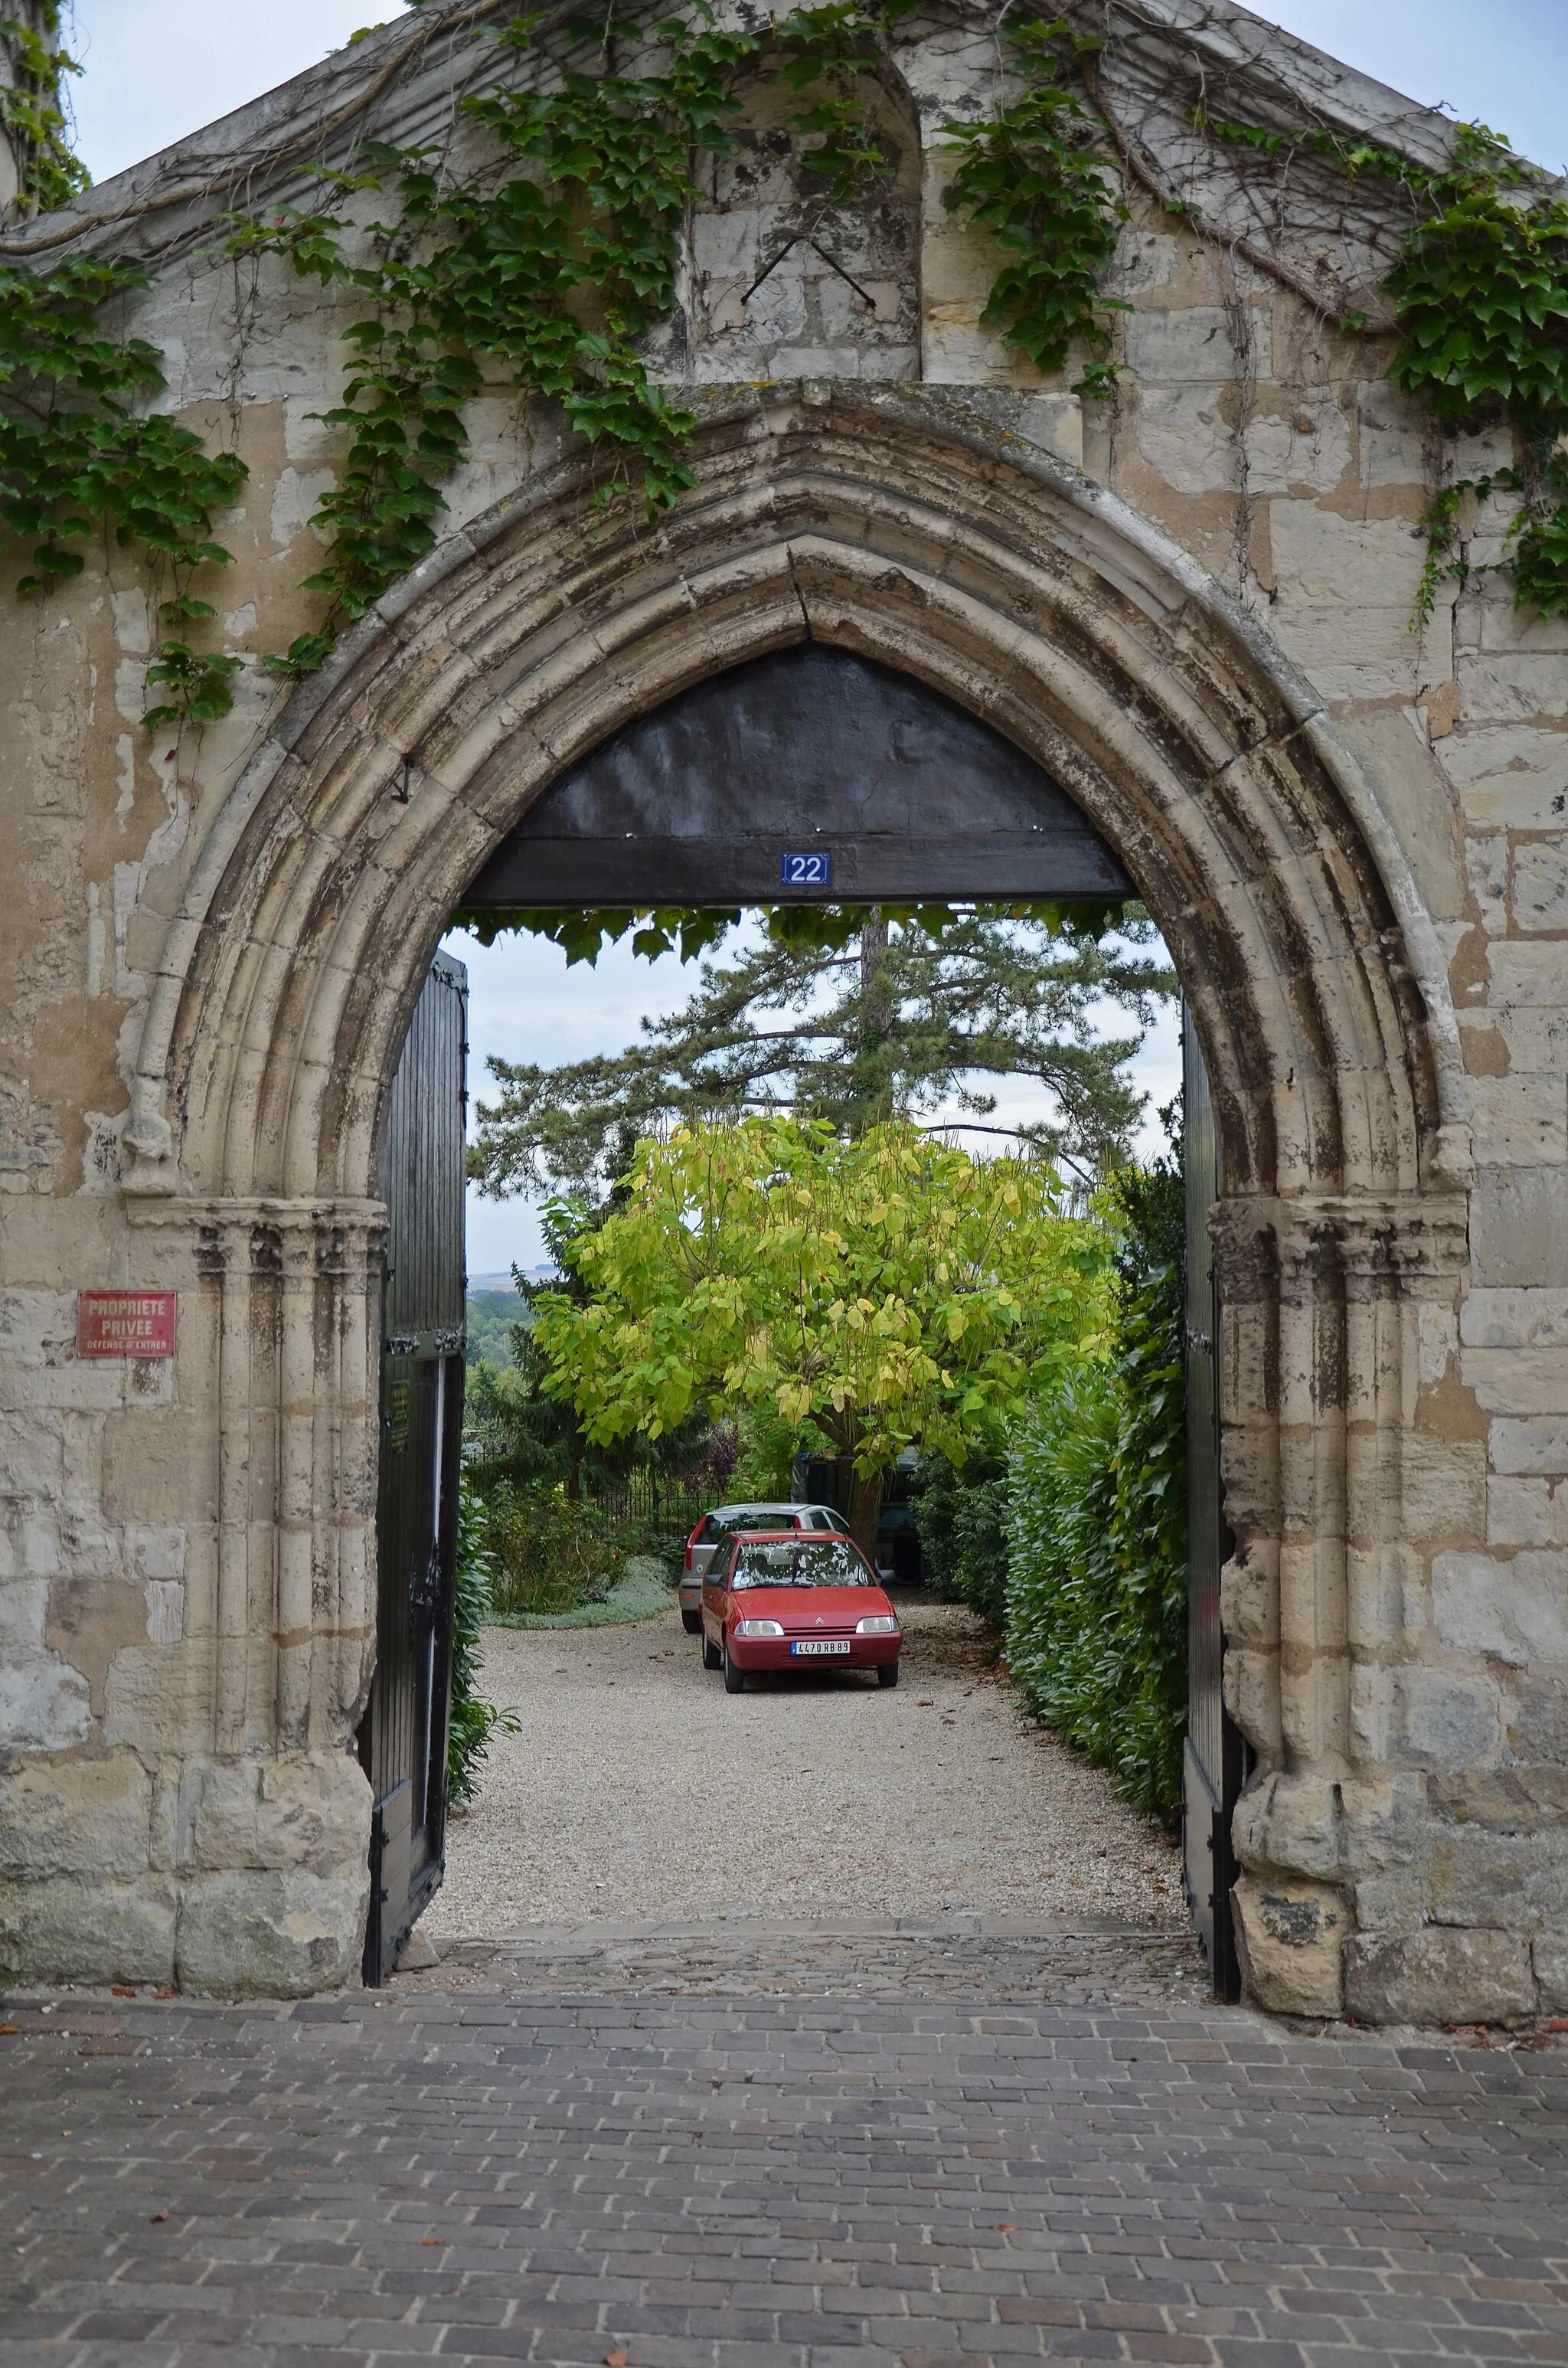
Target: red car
<point>776,1599</point>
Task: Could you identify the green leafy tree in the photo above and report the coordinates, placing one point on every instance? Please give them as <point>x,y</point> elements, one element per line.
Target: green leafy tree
<point>521,1439</point>
<point>889,1291</point>
<point>877,1017</point>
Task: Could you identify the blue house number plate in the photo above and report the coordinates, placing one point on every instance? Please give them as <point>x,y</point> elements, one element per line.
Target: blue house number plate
<point>805,871</point>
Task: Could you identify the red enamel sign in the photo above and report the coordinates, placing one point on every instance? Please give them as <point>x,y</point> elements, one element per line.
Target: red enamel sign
<point>126,1323</point>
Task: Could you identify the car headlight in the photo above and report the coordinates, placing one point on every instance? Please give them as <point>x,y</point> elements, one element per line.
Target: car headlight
<point>758,1628</point>
<point>877,1623</point>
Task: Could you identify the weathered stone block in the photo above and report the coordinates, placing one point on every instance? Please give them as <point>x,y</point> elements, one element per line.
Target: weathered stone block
<point>1538,1445</point>
<point>1540,884</point>
<point>1448,1721</point>
<point>1520,1121</point>
<point>1391,1903</point>
<point>45,1704</point>
<point>1439,1976</point>
<point>1444,1491</point>
<point>1194,344</point>
<point>1549,1956</point>
<point>1537,1721</point>
<point>1514,1611</point>
<point>1252,1694</point>
<point>1289,1938</point>
<point>90,1817</point>
<point>1184,436</point>
<point>1515,1319</point>
<point>84,1930</point>
<point>1303,448</point>
<point>1495,1864</point>
<point>1514,688</point>
<point>146,1691</point>
<point>312,1813</point>
<point>1290,1822</point>
<point>251,1934</point>
<point>1526,1512</point>
<point>1517,1380</point>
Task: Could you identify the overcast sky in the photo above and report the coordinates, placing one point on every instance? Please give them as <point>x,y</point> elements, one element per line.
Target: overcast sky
<point>158,69</point>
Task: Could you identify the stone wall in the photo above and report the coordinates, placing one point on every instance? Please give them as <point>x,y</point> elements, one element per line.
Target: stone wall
<point>1193,603</point>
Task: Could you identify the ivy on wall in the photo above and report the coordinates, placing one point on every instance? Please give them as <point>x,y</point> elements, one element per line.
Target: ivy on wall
<point>550,275</point>
<point>1481,301</point>
<point>549,265</point>
<point>73,452</point>
<point>1033,175</point>
<point>31,113</point>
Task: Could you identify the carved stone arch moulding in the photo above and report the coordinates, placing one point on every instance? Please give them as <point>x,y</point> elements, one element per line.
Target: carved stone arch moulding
<point>889,525</point>
<point>906,527</point>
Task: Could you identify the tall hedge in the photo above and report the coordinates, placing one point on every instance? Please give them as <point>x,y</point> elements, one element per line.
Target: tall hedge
<point>962,1514</point>
<point>1098,1584</point>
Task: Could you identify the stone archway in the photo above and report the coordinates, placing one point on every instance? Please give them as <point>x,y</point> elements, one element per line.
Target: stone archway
<point>920,536</point>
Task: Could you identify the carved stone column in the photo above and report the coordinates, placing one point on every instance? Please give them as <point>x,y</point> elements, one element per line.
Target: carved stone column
<point>219,1837</point>
<point>1352,1275</point>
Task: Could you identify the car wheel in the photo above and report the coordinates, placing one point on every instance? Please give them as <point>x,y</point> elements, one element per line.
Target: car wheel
<point>735,1679</point>
<point>711,1655</point>
<point>691,1621</point>
<point>888,1674</point>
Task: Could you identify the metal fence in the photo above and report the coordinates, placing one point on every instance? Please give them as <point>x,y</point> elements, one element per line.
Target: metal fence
<point>665,1501</point>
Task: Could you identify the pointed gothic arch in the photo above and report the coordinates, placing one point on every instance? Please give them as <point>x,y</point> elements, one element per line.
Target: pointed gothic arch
<point>1019,590</point>
<point>1001,578</point>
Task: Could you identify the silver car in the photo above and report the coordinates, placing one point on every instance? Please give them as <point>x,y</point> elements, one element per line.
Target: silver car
<point>723,1522</point>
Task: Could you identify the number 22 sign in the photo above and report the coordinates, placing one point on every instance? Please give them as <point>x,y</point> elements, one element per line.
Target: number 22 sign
<point>805,871</point>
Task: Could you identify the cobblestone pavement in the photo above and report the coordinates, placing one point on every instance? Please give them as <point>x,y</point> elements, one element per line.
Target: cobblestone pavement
<point>917,2174</point>
<point>1081,1964</point>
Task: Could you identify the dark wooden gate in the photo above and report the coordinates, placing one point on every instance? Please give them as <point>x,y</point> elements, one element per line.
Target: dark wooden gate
<point>402,1742</point>
<point>1212,1759</point>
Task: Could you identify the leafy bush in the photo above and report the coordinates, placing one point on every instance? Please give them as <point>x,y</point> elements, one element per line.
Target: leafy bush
<point>473,1721</point>
<point>1097,1626</point>
<point>554,1554</point>
<point>962,1514</point>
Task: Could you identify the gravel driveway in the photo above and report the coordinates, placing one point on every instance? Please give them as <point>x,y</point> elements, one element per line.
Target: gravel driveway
<point>638,1791</point>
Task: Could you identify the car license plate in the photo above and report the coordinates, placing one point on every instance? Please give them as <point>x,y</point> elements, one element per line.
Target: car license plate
<point>822,1645</point>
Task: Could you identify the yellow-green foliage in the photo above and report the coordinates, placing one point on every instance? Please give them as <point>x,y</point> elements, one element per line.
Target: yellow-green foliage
<point>891,1290</point>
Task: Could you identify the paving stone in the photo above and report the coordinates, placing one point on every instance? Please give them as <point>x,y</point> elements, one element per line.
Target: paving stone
<point>1028,2151</point>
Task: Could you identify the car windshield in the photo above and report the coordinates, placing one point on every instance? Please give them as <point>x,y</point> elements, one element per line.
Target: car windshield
<point>799,1562</point>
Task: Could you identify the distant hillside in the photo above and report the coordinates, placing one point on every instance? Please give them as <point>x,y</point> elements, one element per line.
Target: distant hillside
<point>491,1315</point>
<point>490,1282</point>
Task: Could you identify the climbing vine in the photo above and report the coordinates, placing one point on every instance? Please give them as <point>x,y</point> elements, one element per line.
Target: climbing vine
<point>1034,178</point>
<point>30,110</point>
<point>73,450</point>
<point>550,271</point>
<point>1481,304</point>
<point>551,276</point>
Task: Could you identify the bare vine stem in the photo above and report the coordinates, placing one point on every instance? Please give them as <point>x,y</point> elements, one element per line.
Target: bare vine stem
<point>1143,170</point>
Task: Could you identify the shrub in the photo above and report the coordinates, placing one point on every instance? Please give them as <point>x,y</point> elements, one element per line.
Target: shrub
<point>1096,1614</point>
<point>962,1514</point>
<point>554,1554</point>
<point>473,1720</point>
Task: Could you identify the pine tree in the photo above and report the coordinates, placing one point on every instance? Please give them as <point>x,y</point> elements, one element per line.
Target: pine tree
<point>886,1017</point>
